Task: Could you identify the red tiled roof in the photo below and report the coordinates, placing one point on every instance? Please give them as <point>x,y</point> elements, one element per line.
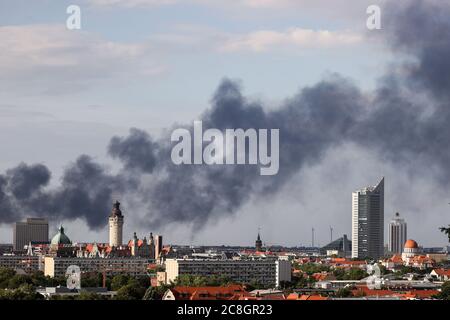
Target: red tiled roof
<point>140,243</point>
<point>442,272</point>
<point>231,292</point>
<point>312,297</point>
<point>396,258</point>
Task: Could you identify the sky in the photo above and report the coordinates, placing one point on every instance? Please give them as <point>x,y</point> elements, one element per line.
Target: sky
<point>150,64</point>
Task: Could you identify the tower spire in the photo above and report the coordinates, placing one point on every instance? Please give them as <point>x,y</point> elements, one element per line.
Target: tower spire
<point>258,242</point>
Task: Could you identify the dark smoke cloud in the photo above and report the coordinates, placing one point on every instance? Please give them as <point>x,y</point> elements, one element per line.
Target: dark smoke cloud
<point>25,180</point>
<point>85,192</point>
<point>137,151</point>
<point>406,119</point>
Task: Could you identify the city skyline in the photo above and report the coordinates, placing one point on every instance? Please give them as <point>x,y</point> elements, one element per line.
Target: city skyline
<point>105,235</point>
<point>300,70</point>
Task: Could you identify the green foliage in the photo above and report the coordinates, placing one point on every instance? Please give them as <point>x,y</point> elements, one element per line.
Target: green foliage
<point>199,281</point>
<point>62,297</point>
<point>344,293</point>
<point>351,274</point>
<point>445,291</point>
<point>132,291</point>
<point>18,280</point>
<point>23,292</point>
<point>85,295</point>
<point>446,231</point>
<point>91,280</point>
<point>156,293</point>
<point>119,281</point>
<point>310,268</point>
<point>5,276</point>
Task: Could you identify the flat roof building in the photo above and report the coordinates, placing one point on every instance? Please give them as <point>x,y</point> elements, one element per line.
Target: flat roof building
<point>368,222</point>
<point>267,272</point>
<point>34,230</point>
<point>133,266</point>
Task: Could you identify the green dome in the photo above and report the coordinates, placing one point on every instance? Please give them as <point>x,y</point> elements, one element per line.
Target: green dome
<point>60,237</point>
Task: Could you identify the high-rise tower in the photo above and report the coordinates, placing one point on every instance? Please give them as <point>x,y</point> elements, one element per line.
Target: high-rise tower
<point>115,225</point>
<point>397,234</point>
<point>368,222</point>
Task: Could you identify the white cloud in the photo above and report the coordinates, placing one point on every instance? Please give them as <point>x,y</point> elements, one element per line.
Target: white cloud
<point>192,37</point>
<point>265,4</point>
<point>132,3</point>
<point>49,57</point>
<point>264,40</point>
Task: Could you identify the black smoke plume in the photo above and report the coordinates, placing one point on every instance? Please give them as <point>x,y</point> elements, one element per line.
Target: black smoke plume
<point>406,119</point>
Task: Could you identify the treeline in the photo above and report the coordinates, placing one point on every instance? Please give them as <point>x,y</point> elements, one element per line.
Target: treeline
<point>14,286</point>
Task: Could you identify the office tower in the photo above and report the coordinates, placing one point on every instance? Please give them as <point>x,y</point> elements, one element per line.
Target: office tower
<point>397,234</point>
<point>34,230</point>
<point>368,222</point>
<point>115,225</point>
<point>158,246</point>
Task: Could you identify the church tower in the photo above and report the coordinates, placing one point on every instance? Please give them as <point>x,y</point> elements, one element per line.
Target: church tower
<point>258,243</point>
<point>115,225</point>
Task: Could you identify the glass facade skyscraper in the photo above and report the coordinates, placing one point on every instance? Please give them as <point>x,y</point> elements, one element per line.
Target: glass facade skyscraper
<point>368,222</point>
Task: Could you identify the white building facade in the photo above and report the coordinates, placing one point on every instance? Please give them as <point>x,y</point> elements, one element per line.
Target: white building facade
<point>269,272</point>
<point>397,234</point>
<point>132,266</point>
<point>116,226</point>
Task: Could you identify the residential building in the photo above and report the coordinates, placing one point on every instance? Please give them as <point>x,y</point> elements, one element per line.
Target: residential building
<point>267,272</point>
<point>133,266</point>
<point>28,264</point>
<point>441,274</point>
<point>230,292</point>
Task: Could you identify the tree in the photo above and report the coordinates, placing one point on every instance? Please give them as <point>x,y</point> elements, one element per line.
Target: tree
<point>119,281</point>
<point>132,291</point>
<point>445,291</point>
<point>446,231</point>
<point>344,293</point>
<point>86,295</point>
<point>156,293</point>
<point>91,280</point>
<point>38,279</point>
<point>19,279</point>
<point>352,274</point>
<point>24,292</point>
<point>5,275</point>
<point>310,268</point>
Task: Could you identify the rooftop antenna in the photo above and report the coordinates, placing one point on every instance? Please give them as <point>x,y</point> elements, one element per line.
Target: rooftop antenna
<point>331,234</point>
<point>312,242</point>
